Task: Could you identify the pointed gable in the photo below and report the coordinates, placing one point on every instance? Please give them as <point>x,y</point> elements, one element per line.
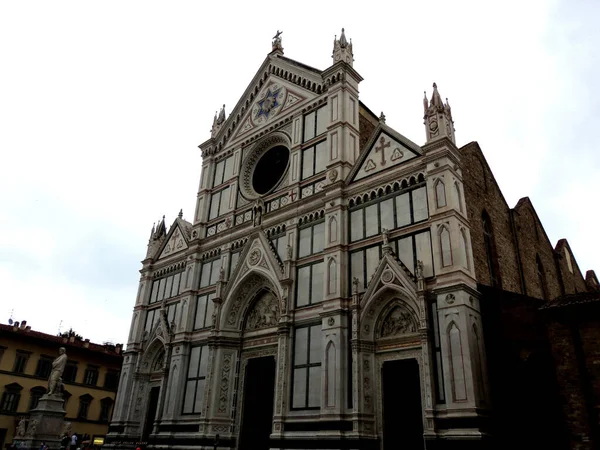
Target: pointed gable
<point>258,267</point>
<point>258,255</point>
<point>177,239</point>
<point>390,273</point>
<point>279,86</point>
<point>275,98</point>
<point>386,148</point>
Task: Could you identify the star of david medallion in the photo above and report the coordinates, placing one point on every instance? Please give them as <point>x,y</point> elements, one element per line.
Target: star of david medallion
<point>269,104</point>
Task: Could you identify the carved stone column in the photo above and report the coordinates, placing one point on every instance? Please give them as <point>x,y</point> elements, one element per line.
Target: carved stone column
<point>283,358</point>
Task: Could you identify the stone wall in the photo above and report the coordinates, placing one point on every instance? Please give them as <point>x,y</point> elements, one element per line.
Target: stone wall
<point>483,193</point>
<point>533,242</point>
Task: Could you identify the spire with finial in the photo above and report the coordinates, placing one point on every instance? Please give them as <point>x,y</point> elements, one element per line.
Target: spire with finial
<point>438,117</point>
<point>218,122</point>
<point>180,215</point>
<point>221,118</point>
<point>382,117</point>
<point>342,49</point>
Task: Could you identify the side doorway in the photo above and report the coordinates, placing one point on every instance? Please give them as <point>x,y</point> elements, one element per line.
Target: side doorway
<point>257,413</point>
<point>151,412</point>
<point>402,409</point>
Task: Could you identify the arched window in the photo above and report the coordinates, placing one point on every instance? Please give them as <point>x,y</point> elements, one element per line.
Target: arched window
<point>440,194</point>
<point>465,248</point>
<point>541,277</point>
<point>446,247</point>
<point>458,197</point>
<point>490,249</point>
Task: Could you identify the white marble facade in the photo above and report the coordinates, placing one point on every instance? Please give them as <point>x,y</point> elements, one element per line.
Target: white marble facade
<point>329,256</point>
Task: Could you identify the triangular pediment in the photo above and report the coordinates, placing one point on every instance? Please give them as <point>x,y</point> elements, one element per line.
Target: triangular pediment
<point>162,328</point>
<point>275,99</point>
<point>390,273</point>
<point>258,255</point>
<point>385,149</point>
<point>260,106</point>
<point>177,239</point>
<point>258,269</point>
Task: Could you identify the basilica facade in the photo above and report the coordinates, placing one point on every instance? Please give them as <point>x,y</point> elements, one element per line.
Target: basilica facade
<point>328,292</point>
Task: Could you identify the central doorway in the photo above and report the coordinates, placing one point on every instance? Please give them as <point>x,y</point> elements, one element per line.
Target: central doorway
<point>402,411</point>
<point>259,390</point>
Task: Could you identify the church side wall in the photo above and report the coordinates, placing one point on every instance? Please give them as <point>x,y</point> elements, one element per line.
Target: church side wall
<point>482,193</point>
<point>533,241</point>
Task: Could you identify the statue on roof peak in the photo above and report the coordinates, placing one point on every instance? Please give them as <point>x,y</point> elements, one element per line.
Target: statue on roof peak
<point>276,44</point>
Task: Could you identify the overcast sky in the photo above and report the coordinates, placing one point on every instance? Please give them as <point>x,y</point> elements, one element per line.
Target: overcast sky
<point>103,104</point>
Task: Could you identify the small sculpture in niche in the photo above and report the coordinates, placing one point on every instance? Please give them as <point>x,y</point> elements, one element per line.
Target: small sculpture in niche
<point>159,361</point>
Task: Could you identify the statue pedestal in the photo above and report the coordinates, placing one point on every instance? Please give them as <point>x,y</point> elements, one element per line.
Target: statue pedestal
<point>45,423</point>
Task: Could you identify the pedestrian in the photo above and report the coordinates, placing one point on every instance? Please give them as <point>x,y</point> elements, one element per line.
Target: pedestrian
<point>43,446</point>
<point>73,441</point>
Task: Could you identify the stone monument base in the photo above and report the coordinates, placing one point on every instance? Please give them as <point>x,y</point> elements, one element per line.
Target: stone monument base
<point>45,423</point>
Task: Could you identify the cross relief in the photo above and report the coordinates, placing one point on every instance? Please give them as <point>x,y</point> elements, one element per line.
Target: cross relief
<point>381,148</point>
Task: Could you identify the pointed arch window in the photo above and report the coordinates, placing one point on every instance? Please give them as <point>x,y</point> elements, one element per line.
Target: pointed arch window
<point>465,248</point>
<point>458,197</point>
<point>332,276</point>
<point>446,247</point>
<point>459,387</point>
<point>440,194</point>
<point>490,250</point>
<point>541,277</point>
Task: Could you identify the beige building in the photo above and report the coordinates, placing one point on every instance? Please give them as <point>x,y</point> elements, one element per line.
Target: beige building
<point>328,290</point>
<point>90,378</point>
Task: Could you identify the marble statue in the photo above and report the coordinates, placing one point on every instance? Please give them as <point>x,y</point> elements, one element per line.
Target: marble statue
<point>67,429</point>
<point>32,429</point>
<point>58,367</point>
<point>419,270</point>
<point>21,428</point>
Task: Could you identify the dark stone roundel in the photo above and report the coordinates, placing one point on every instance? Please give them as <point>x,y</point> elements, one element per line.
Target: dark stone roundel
<point>270,169</point>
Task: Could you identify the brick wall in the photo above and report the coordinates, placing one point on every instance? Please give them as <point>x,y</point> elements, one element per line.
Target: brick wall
<point>573,281</point>
<point>576,351</point>
<point>533,242</point>
<point>482,192</point>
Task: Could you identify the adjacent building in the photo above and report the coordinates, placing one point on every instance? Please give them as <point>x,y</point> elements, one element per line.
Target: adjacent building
<point>90,379</point>
<point>340,286</point>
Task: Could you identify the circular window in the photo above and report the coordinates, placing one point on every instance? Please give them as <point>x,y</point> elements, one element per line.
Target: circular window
<point>269,169</point>
<point>265,166</point>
